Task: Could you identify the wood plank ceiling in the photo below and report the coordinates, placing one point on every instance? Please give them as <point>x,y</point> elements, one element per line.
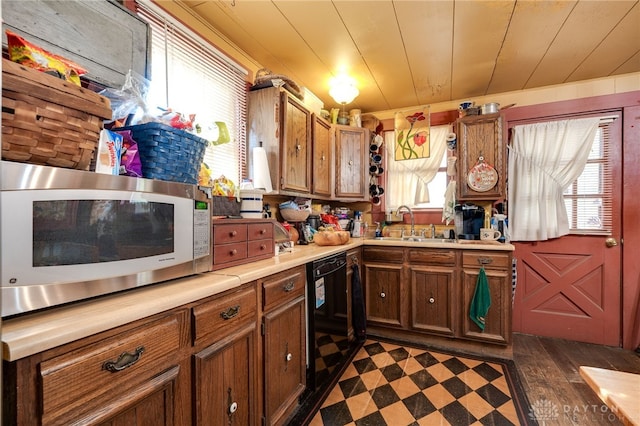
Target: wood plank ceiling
<point>408,53</point>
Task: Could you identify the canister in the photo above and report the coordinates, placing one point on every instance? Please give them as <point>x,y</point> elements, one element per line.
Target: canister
<point>251,203</point>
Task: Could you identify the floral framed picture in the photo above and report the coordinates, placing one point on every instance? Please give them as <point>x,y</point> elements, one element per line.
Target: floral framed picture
<point>412,135</point>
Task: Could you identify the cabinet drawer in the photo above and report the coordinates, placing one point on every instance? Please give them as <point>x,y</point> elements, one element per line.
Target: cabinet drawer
<point>259,231</point>
<point>491,260</point>
<point>222,316</point>
<point>231,233</point>
<point>98,375</point>
<point>432,256</point>
<point>383,254</point>
<point>260,248</point>
<point>226,253</point>
<point>283,287</point>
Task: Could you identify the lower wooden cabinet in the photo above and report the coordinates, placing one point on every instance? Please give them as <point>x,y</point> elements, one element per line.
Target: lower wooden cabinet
<point>498,321</point>
<point>284,343</point>
<point>385,286</point>
<point>225,380</point>
<point>137,374</point>
<point>422,291</point>
<point>433,290</point>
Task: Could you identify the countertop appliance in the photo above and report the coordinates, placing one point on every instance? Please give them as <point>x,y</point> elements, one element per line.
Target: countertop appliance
<point>328,325</point>
<point>69,235</point>
<point>468,219</point>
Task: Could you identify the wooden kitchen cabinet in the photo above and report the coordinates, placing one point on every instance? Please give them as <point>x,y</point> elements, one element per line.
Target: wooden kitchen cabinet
<point>284,343</point>
<point>414,292</point>
<point>385,286</point>
<point>225,369</point>
<point>137,374</point>
<point>351,162</point>
<point>281,124</point>
<point>480,136</point>
<point>497,266</point>
<point>322,165</point>
<point>240,241</point>
<point>433,290</point>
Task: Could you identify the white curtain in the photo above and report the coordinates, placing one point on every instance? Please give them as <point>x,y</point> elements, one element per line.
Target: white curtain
<point>407,180</point>
<point>544,159</point>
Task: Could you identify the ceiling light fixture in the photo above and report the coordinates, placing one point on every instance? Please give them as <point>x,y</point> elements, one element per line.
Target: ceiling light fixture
<point>343,89</point>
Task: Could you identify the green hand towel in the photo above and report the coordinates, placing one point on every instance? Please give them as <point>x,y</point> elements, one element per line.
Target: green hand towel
<point>481,300</point>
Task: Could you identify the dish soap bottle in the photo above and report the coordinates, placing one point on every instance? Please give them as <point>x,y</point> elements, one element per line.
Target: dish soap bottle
<point>356,229</point>
<point>378,230</point>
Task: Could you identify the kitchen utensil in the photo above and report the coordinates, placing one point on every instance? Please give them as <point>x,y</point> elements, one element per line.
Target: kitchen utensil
<point>490,108</point>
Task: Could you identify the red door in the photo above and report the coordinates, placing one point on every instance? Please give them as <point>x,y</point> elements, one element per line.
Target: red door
<point>570,287</point>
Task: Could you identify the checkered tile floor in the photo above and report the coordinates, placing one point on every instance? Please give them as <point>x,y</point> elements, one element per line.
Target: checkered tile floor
<point>390,384</point>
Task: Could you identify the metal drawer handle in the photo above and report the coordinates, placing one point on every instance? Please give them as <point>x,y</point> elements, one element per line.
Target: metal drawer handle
<point>125,360</point>
<point>289,286</point>
<point>485,260</point>
<point>232,312</point>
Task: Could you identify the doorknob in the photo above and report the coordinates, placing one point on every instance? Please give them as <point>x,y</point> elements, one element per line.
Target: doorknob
<point>611,242</point>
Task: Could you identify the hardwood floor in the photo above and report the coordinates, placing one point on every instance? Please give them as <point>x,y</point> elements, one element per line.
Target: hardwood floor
<point>549,372</point>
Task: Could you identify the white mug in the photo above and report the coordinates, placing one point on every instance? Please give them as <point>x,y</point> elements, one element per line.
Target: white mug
<point>489,234</point>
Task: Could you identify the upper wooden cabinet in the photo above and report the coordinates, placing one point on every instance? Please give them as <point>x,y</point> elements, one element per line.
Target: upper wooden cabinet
<point>481,136</point>
<point>322,170</point>
<point>351,162</point>
<point>282,125</point>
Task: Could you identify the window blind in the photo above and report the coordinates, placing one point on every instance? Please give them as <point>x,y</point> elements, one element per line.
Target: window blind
<point>191,77</point>
<point>589,198</point>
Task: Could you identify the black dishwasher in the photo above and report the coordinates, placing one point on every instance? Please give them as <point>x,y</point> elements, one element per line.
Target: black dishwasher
<point>327,318</point>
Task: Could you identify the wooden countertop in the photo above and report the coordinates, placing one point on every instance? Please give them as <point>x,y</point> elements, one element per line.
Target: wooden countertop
<point>618,389</point>
<point>29,334</point>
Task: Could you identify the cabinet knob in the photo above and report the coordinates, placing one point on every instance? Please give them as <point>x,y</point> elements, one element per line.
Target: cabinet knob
<point>233,407</point>
<point>233,233</point>
<point>351,162</point>
<point>263,247</point>
<point>289,357</point>
<point>233,252</point>
<point>432,300</point>
<point>263,231</point>
<point>383,295</point>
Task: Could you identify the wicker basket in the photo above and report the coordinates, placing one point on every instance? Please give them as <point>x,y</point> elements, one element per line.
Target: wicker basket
<point>167,153</point>
<point>49,121</point>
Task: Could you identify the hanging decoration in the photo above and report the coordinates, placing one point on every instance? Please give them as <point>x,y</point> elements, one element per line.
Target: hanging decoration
<point>412,135</point>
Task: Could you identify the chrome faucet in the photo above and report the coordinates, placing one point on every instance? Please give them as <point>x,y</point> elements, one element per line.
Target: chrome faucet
<point>413,227</point>
<point>433,230</point>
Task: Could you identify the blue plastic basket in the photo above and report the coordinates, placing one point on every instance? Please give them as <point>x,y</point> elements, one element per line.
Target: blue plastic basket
<point>167,153</point>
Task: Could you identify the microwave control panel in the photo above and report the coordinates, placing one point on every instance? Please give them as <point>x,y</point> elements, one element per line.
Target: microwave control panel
<point>201,229</point>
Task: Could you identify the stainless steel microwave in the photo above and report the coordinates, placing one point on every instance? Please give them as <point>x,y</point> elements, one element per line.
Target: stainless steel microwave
<point>68,235</point>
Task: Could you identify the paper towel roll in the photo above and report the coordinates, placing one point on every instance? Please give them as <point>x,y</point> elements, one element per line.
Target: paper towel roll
<point>261,175</point>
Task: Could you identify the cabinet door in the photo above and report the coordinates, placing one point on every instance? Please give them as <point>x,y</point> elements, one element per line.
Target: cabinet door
<point>498,321</point>
<point>480,136</point>
<point>322,169</point>
<point>224,381</point>
<point>351,154</point>
<point>432,296</point>
<point>296,146</point>
<point>284,360</point>
<point>384,294</point>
